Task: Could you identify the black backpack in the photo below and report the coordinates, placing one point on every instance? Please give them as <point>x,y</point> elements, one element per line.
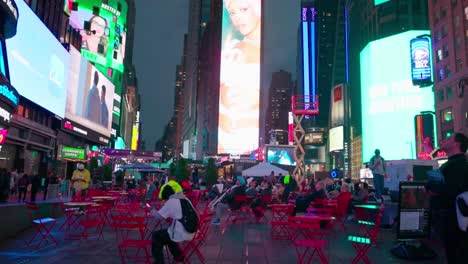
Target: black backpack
<point>189,216</point>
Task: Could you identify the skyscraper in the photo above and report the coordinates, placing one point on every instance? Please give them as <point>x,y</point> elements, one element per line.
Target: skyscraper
<point>279,103</point>
<point>449,28</point>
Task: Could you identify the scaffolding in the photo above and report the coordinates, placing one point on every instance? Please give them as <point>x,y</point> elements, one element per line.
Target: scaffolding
<point>302,106</point>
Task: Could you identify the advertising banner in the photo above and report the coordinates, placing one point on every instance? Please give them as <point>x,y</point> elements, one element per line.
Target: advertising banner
<point>90,96</point>
<point>239,99</point>
<point>40,76</point>
<point>337,106</point>
<point>421,63</point>
<point>127,152</point>
<point>389,99</point>
<point>336,138</point>
<point>3,136</point>
<point>73,153</point>
<point>102,27</point>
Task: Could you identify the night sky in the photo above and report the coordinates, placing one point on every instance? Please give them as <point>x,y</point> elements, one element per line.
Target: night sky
<point>160,28</point>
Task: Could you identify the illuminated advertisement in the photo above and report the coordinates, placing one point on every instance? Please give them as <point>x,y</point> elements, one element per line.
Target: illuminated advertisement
<point>336,138</point>
<point>3,135</point>
<point>40,75</point>
<point>379,2</point>
<point>425,135</point>
<point>389,99</point>
<point>72,153</point>
<point>309,49</point>
<point>2,60</point>
<point>337,106</point>
<point>239,99</point>
<point>103,32</point>
<point>313,138</point>
<point>134,137</point>
<point>278,154</point>
<point>90,96</point>
<point>421,65</point>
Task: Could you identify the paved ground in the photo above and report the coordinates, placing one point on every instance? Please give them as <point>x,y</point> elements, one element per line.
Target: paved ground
<point>240,243</point>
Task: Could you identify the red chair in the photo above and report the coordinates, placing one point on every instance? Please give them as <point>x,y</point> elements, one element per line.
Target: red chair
<point>260,211</point>
<point>279,221</point>
<point>306,235</point>
<point>94,219</point>
<point>130,236</point>
<point>343,200</point>
<point>71,216</point>
<point>239,210</point>
<point>192,247</point>
<point>43,225</point>
<point>363,242</point>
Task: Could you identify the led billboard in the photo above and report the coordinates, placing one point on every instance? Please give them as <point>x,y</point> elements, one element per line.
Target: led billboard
<point>309,52</point>
<point>389,99</point>
<point>90,96</point>
<point>279,154</point>
<point>103,29</point>
<point>239,100</point>
<point>39,74</point>
<point>336,138</point>
<point>421,63</point>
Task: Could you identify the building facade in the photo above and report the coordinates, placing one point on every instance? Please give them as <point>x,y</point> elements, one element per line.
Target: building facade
<point>449,32</point>
<point>279,103</point>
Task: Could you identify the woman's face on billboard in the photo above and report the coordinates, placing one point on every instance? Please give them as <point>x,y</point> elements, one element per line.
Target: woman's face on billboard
<point>243,16</point>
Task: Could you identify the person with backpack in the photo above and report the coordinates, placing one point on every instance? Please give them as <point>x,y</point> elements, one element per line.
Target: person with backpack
<point>23,187</point>
<point>184,222</point>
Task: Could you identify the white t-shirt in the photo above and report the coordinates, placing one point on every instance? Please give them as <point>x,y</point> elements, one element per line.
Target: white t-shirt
<point>176,230</point>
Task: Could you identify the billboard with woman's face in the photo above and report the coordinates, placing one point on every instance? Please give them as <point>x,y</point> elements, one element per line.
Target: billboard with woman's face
<point>239,101</point>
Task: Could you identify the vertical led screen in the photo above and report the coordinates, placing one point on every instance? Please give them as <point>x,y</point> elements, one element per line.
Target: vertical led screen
<point>239,99</point>
<point>309,47</point>
<point>421,63</point>
<point>390,101</point>
<point>102,28</point>
<point>90,96</point>
<point>425,135</point>
<point>40,76</point>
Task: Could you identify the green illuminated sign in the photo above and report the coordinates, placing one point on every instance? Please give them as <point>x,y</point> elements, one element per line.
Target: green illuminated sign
<point>389,100</point>
<point>378,2</point>
<point>103,33</point>
<point>73,153</point>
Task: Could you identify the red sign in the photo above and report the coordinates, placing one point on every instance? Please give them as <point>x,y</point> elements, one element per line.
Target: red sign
<point>3,135</point>
<point>338,93</point>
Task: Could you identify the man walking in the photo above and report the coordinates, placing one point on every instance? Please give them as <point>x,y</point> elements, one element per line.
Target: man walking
<point>377,165</point>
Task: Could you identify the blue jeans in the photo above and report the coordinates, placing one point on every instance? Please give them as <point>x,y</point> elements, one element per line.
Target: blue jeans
<point>378,185</point>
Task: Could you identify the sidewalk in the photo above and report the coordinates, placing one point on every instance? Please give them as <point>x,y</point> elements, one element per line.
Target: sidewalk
<point>241,243</point>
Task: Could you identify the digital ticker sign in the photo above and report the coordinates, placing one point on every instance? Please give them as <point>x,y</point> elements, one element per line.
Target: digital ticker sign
<point>421,63</point>
<point>239,100</point>
<point>102,25</point>
<point>389,99</point>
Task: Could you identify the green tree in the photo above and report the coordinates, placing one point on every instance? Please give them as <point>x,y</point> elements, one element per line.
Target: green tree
<point>211,175</point>
<point>181,172</point>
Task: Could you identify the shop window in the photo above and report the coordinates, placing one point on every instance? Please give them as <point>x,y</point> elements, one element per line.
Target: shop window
<point>456,21</point>
<point>20,110</point>
<point>440,55</point>
<point>26,113</point>
<point>440,96</point>
<point>446,115</point>
<point>444,30</point>
<point>443,11</point>
<point>449,93</point>
<point>436,16</point>
<point>447,71</point>
<point>441,74</point>
<point>446,50</point>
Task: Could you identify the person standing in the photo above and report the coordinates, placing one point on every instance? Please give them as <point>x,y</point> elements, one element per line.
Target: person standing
<point>23,187</point>
<point>35,184</point>
<point>377,166</point>
<point>455,172</point>
<point>80,178</point>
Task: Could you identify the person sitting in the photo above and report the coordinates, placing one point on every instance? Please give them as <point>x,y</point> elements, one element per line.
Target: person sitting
<point>151,189</point>
<point>228,200</point>
<point>172,194</point>
<point>252,190</point>
<point>302,203</point>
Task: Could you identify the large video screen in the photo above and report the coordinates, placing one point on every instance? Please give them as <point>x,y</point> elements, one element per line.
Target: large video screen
<point>421,63</point>
<point>239,99</point>
<point>90,96</point>
<point>389,99</point>
<point>103,32</point>
<point>283,155</point>
<point>38,63</point>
